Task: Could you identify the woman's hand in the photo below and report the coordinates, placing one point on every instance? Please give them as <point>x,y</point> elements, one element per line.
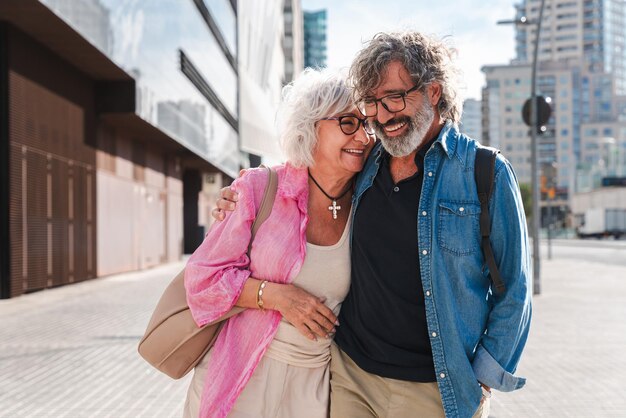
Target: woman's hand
<point>303,310</point>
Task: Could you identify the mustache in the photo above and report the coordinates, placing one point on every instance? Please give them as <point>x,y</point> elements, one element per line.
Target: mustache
<point>393,121</point>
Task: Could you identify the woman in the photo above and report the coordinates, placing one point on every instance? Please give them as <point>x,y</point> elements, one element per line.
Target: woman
<point>271,360</point>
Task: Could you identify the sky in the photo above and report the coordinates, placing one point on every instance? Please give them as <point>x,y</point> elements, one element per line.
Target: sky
<point>470,26</point>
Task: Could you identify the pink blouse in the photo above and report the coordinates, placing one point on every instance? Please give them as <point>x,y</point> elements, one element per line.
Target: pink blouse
<point>217,270</point>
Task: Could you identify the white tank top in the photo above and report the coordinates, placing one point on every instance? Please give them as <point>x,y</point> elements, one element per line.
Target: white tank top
<point>325,273</point>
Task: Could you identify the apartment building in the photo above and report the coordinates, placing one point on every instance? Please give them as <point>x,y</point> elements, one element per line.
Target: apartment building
<point>582,69</point>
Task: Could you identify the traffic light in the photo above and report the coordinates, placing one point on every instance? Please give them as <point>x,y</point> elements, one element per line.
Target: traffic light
<point>544,111</point>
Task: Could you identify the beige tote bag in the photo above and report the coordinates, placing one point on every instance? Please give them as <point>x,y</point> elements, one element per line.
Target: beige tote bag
<point>173,343</point>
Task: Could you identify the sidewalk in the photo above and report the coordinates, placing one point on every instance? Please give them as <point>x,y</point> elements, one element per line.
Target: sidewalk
<point>575,358</point>
<point>71,351</point>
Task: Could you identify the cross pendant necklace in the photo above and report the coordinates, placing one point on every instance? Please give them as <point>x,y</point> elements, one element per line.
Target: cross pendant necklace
<point>334,208</point>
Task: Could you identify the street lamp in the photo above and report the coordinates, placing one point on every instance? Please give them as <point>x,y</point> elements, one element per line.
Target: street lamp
<point>534,168</point>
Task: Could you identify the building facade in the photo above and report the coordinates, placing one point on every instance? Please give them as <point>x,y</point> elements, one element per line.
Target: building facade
<point>119,123</point>
<point>581,69</point>
<point>271,54</point>
<point>506,90</point>
<point>315,25</point>
<point>293,43</point>
<point>471,119</point>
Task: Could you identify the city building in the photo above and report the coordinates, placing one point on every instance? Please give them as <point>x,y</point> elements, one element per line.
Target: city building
<point>471,119</point>
<point>120,121</point>
<point>506,90</point>
<point>315,39</point>
<point>582,70</point>
<point>271,54</point>
<point>293,43</point>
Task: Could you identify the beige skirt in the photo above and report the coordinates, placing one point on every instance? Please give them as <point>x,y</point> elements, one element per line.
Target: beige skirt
<point>275,390</point>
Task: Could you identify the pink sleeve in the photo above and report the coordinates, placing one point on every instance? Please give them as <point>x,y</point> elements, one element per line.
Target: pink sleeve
<point>217,270</point>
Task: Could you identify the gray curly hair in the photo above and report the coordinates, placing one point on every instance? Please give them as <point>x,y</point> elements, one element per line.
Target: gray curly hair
<point>314,95</point>
<point>426,58</point>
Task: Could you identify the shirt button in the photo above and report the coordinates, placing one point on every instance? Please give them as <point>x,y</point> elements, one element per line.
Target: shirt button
<point>428,293</point>
<point>424,252</point>
<point>442,375</point>
<point>430,174</point>
<point>424,213</point>
<point>461,209</point>
<point>434,334</point>
<point>396,189</point>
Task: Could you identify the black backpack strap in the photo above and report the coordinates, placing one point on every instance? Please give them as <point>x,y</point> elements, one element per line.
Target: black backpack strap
<point>484,172</point>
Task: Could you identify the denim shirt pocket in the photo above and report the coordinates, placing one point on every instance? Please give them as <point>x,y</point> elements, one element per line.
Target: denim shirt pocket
<point>459,228</point>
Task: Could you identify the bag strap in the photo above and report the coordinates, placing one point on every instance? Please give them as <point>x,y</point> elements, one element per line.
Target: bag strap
<point>267,203</point>
<point>484,171</point>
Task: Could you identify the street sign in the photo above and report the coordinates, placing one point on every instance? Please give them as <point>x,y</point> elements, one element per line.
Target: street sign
<point>543,111</point>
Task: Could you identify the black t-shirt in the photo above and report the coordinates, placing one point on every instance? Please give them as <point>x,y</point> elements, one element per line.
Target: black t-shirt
<point>383,319</point>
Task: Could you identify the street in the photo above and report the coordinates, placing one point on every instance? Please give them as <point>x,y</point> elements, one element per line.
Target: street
<point>593,250</point>
<point>71,351</point>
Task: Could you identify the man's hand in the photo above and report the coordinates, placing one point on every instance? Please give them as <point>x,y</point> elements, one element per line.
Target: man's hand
<point>227,202</point>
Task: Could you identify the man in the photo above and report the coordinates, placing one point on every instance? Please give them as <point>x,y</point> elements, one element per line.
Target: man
<point>421,332</point>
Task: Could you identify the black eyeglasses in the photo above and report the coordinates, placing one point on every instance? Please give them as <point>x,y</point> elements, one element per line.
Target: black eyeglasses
<point>349,124</point>
<point>395,102</point>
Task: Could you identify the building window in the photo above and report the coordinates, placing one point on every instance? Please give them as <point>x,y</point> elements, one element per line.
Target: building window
<point>566,27</point>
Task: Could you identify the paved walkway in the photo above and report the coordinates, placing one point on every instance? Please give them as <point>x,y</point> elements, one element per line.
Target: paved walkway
<point>71,351</point>
<point>575,358</point>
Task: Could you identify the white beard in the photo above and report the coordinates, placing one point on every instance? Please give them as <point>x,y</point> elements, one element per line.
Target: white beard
<point>418,126</point>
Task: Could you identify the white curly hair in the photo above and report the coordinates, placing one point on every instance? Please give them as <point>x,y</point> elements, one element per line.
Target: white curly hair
<point>314,95</point>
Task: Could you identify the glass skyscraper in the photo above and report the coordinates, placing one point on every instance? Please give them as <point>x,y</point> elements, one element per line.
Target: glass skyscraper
<point>315,39</point>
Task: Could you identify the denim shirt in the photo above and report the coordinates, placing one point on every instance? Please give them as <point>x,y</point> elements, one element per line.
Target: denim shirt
<point>476,335</point>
